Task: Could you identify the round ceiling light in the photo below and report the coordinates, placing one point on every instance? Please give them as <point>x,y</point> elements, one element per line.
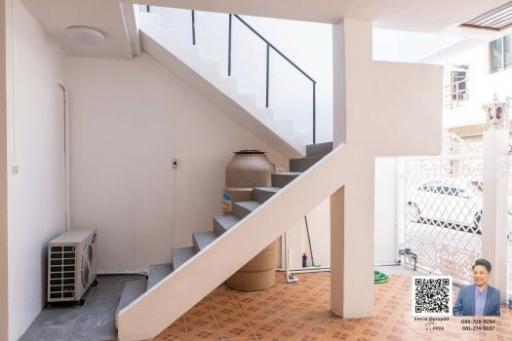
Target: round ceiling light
<point>85,35</point>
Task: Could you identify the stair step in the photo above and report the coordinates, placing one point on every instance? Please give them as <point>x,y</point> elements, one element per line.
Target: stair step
<point>131,291</point>
<point>302,164</point>
<point>283,179</point>
<point>319,149</point>
<point>157,272</point>
<point>202,239</point>
<point>181,255</point>
<point>244,208</point>
<point>222,223</point>
<point>262,194</point>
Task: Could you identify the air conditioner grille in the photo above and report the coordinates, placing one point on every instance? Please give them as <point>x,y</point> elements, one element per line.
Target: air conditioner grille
<point>62,271</point>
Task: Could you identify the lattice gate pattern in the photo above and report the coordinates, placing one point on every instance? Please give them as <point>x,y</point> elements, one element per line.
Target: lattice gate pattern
<point>443,209</point>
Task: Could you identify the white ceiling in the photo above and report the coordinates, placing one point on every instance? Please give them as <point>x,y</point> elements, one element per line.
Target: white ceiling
<point>409,15</point>
<point>107,16</point>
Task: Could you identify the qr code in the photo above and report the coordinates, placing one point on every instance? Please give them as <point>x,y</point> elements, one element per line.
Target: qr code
<point>431,295</point>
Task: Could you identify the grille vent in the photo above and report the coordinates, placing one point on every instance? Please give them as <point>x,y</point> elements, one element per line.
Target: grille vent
<point>497,19</point>
<point>62,272</point>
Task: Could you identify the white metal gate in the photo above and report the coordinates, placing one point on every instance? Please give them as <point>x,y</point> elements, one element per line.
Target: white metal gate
<point>443,205</point>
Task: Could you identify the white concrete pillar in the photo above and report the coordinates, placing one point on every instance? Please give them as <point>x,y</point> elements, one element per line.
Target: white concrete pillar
<point>352,229</point>
<point>495,206</point>
<point>338,79</point>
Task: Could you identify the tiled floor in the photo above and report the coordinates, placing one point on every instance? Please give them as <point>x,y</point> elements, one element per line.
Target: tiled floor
<point>301,312</point>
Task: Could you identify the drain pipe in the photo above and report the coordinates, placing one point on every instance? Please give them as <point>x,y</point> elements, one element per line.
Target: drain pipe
<point>67,210</point>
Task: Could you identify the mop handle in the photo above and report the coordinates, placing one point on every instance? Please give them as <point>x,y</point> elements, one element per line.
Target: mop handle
<point>309,242</point>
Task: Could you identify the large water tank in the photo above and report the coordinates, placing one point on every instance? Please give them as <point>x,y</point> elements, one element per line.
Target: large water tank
<point>246,170</point>
<point>249,169</point>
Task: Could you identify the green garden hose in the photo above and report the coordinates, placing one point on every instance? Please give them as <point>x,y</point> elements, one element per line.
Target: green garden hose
<point>380,277</point>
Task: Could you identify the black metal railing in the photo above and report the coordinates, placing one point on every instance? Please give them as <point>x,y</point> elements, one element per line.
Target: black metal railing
<point>193,27</point>
<point>269,46</point>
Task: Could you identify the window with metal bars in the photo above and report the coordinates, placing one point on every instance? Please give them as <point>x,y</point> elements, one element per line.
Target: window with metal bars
<point>500,54</point>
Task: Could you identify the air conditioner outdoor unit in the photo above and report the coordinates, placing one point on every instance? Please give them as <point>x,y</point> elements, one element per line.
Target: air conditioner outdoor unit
<point>71,265</point>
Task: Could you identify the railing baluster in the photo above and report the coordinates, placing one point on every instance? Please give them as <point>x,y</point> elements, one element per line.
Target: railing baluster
<point>193,27</point>
<point>229,44</point>
<point>268,74</point>
<point>314,112</point>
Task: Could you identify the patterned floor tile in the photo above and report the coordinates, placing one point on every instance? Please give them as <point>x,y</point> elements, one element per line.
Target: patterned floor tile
<point>301,312</point>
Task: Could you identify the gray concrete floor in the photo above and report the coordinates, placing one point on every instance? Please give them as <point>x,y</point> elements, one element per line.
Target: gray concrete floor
<point>93,321</point>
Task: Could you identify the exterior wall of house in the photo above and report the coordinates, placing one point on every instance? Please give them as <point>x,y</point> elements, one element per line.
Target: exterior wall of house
<point>482,86</point>
<point>129,120</point>
<point>35,141</point>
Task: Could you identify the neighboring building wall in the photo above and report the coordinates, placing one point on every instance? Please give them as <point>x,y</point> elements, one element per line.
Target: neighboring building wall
<point>129,120</point>
<point>482,86</point>
<point>36,192</point>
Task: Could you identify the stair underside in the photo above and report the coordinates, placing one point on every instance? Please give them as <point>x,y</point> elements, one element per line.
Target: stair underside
<point>221,224</point>
<point>233,104</point>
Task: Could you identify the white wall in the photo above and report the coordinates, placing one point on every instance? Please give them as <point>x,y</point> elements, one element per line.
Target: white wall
<point>35,146</point>
<point>4,295</point>
<point>386,214</point>
<point>120,159</point>
<point>319,227</point>
<point>129,120</point>
<point>307,44</point>
<point>479,86</point>
<point>408,46</point>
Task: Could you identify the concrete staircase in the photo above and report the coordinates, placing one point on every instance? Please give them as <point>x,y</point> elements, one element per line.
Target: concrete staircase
<point>193,64</point>
<point>223,223</point>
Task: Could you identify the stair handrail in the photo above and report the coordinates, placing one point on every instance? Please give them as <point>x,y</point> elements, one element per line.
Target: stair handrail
<point>267,83</point>
<point>269,46</point>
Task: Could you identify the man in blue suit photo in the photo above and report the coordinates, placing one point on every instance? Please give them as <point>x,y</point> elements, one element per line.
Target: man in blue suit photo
<point>479,299</point>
